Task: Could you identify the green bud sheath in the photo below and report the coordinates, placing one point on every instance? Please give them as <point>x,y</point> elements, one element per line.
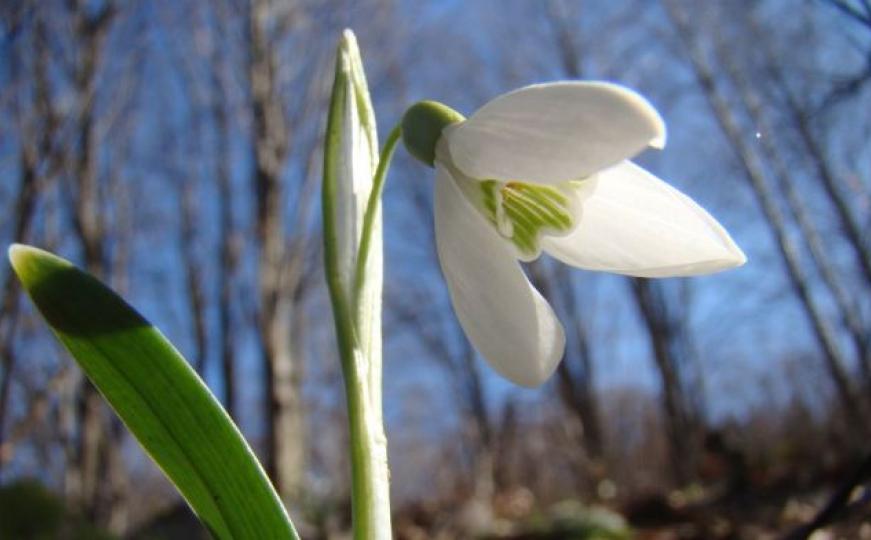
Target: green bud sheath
<point>422,125</point>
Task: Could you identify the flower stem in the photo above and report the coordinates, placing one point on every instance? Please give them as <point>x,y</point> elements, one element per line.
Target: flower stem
<point>372,207</point>
<point>370,488</point>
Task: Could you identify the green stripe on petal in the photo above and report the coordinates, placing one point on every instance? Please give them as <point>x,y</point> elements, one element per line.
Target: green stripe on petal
<point>522,212</point>
<point>490,199</point>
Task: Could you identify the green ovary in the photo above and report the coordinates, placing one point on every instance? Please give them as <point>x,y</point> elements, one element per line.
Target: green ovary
<point>522,212</point>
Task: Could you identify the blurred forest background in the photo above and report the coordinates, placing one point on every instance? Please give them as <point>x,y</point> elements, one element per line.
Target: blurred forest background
<point>173,148</point>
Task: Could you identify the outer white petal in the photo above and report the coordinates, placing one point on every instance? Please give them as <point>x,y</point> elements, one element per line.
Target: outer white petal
<point>633,223</point>
<point>357,158</point>
<point>505,318</point>
<point>554,132</point>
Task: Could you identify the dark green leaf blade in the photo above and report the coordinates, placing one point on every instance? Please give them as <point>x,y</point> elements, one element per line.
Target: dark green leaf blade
<point>159,397</point>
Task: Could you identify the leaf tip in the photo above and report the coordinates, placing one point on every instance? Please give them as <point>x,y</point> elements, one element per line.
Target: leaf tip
<point>17,254</point>
<point>31,263</point>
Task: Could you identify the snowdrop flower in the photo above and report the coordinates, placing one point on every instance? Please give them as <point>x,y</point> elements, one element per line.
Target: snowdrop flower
<point>545,168</point>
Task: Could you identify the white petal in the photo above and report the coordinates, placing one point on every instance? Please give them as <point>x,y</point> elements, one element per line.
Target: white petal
<point>554,132</point>
<point>357,158</point>
<point>505,318</point>
<point>633,223</point>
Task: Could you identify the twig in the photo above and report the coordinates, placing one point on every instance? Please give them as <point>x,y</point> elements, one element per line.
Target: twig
<point>837,503</point>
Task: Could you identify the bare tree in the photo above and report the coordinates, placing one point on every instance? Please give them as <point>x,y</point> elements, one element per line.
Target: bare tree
<point>575,374</point>
<point>271,144</point>
<point>229,246</point>
<point>36,149</point>
<point>847,309</point>
<point>187,154</point>
<point>755,173</point>
<point>90,29</point>
<point>858,12</point>
<point>666,330</point>
<point>802,119</point>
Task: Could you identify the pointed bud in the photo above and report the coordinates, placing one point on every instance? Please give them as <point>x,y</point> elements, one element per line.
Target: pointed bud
<point>351,154</point>
<point>422,126</point>
<point>353,259</point>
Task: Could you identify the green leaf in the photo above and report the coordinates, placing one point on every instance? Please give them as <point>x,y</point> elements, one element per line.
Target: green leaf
<point>159,397</point>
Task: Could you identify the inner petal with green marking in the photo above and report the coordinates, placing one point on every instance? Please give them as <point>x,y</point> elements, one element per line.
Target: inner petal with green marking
<point>522,212</point>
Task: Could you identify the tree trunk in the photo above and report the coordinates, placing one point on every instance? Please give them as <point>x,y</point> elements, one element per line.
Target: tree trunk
<point>228,255</point>
<point>193,274</point>
<point>97,473</point>
<point>284,455</point>
<point>574,373</point>
<point>665,333</point>
<point>25,202</point>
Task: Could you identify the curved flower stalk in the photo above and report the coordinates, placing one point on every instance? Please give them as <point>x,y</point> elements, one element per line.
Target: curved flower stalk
<point>545,169</point>
<point>353,260</point>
